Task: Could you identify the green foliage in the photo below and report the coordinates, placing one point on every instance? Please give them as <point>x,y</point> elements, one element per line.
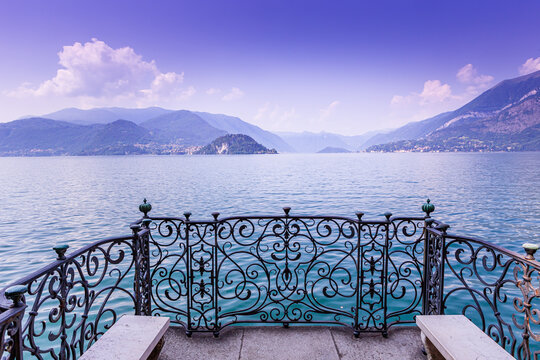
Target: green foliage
<point>234,144</point>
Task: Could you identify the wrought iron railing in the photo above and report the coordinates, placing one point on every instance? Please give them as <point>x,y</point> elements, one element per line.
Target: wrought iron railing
<point>287,269</point>
<point>498,289</point>
<point>74,300</point>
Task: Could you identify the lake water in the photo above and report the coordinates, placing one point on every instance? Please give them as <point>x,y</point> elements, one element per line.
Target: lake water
<point>75,200</point>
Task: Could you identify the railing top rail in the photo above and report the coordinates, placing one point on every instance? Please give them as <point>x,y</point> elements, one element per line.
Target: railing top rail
<point>277,217</point>
<point>8,313</point>
<point>69,257</point>
<point>500,249</point>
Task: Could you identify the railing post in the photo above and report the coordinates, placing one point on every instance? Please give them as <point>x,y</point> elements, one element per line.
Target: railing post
<point>214,275</point>
<point>428,221</point>
<point>384,274</point>
<point>434,258</point>
<point>189,329</point>
<point>142,282</point>
<point>62,299</point>
<point>13,325</point>
<point>434,268</point>
<point>529,293</point>
<point>358,275</point>
<point>137,276</point>
<point>144,267</point>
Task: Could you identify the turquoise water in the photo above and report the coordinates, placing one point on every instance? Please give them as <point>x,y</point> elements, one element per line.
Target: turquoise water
<point>75,200</point>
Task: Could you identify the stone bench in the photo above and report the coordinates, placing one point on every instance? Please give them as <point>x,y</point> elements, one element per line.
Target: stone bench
<point>456,337</point>
<point>130,338</point>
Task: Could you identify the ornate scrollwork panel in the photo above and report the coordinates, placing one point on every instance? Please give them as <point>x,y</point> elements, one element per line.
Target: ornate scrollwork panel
<point>169,269</point>
<point>496,290</point>
<point>72,304</point>
<point>286,270</point>
<point>405,289</point>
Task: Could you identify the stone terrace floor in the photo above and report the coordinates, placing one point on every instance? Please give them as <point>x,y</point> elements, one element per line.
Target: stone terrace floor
<point>294,343</point>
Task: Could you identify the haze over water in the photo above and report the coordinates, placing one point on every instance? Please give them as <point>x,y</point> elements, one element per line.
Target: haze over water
<point>77,200</point>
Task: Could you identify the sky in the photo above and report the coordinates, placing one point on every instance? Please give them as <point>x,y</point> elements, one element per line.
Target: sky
<point>346,67</point>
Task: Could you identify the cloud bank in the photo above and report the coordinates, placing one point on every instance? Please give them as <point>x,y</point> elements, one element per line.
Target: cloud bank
<point>434,91</point>
<point>530,66</point>
<point>476,83</point>
<point>96,70</point>
<point>234,94</point>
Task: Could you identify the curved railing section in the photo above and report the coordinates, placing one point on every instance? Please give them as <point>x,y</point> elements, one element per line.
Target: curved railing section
<point>71,302</point>
<point>207,275</point>
<point>496,288</point>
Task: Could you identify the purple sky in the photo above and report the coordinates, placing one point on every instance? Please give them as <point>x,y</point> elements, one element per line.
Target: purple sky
<point>335,66</point>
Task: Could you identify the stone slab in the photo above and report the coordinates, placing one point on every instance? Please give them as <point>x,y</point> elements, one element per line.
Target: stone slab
<point>403,343</point>
<point>202,345</point>
<point>131,338</point>
<point>294,343</point>
<point>457,338</point>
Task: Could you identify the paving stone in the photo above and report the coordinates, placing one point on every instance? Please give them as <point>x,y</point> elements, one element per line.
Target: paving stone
<point>202,346</point>
<point>403,343</point>
<point>294,343</point>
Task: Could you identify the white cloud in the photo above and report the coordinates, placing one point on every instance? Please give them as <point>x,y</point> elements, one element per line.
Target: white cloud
<point>275,117</point>
<point>436,97</point>
<point>187,93</point>
<point>166,83</point>
<point>234,94</point>
<point>469,75</point>
<point>434,91</point>
<point>476,83</point>
<point>95,70</point>
<point>327,111</point>
<point>530,66</point>
<point>439,96</point>
<point>213,91</point>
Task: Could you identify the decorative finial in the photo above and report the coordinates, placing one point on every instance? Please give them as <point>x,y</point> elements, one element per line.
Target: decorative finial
<point>530,249</point>
<point>187,214</point>
<point>61,251</point>
<point>15,294</point>
<point>286,210</point>
<point>359,215</point>
<point>387,215</point>
<point>145,207</point>
<point>215,215</point>
<point>428,208</point>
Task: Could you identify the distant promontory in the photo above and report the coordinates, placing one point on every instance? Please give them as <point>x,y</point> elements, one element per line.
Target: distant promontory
<point>333,150</point>
<point>234,144</point>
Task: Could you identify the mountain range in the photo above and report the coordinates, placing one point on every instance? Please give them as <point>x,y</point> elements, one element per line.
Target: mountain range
<point>195,124</point>
<point>503,118</point>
